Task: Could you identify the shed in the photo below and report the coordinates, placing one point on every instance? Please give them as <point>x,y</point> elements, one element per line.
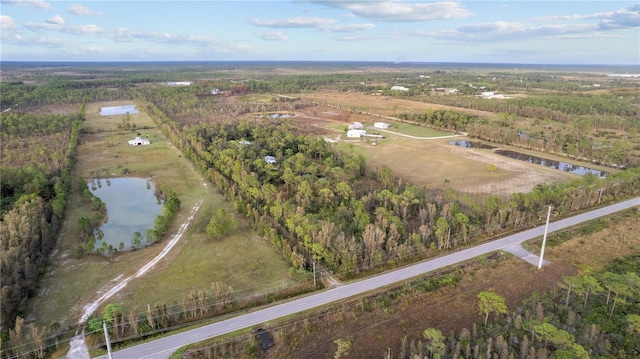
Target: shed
<point>118,110</point>
<point>356,133</point>
<point>139,141</point>
<point>381,125</point>
<point>356,126</point>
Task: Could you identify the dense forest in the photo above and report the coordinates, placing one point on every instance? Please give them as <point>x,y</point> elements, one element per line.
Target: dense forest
<point>38,152</point>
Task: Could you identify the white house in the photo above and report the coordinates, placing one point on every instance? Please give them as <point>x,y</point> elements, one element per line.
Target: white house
<point>399,88</point>
<point>381,125</point>
<point>139,141</point>
<point>356,126</point>
<point>356,133</point>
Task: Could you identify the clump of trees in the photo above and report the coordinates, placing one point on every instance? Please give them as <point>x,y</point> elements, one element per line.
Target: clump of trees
<point>220,224</point>
<point>578,320</point>
<point>169,210</point>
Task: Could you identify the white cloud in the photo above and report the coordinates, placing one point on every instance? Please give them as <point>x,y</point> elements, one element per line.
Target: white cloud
<point>272,36</point>
<point>296,22</point>
<point>624,18</point>
<point>81,10</point>
<point>502,30</point>
<point>364,38</point>
<point>35,3</point>
<point>322,24</point>
<point>396,11</point>
<point>7,23</point>
<point>56,20</point>
<point>51,42</point>
<point>560,27</point>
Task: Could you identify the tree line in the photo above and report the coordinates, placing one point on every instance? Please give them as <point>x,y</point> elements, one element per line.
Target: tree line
<point>34,198</point>
<point>575,144</point>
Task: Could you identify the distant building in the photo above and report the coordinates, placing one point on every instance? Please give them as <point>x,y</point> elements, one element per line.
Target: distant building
<point>381,125</point>
<point>399,88</point>
<point>356,126</point>
<point>270,159</point>
<point>356,133</point>
<point>179,83</point>
<point>139,141</point>
<point>118,110</point>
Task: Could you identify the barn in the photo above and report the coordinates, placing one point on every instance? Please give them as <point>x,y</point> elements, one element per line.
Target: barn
<point>356,133</point>
<point>381,125</point>
<point>118,110</point>
<point>139,141</point>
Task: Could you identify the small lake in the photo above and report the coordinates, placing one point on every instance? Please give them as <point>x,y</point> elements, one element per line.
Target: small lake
<point>559,165</point>
<point>132,206</point>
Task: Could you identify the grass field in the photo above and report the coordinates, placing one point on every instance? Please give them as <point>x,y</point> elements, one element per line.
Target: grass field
<point>242,260</point>
<point>439,165</point>
<point>425,161</point>
<point>413,130</point>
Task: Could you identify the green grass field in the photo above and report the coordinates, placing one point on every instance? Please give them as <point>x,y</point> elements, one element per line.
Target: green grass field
<point>242,260</point>
<point>417,131</point>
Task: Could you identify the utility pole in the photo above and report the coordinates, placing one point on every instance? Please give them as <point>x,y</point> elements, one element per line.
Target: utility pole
<point>106,337</point>
<point>544,238</point>
<point>314,273</point>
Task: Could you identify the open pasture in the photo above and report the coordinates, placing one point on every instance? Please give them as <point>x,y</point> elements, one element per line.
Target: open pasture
<point>381,105</point>
<point>427,161</point>
<point>438,165</point>
<point>241,260</point>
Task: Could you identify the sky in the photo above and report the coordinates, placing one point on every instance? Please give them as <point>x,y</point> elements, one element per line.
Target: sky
<point>538,32</point>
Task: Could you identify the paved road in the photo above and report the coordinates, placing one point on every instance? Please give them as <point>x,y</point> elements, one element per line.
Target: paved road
<point>163,348</point>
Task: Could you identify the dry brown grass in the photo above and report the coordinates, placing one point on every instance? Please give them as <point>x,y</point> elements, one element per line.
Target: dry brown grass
<point>432,163</point>
<point>382,105</point>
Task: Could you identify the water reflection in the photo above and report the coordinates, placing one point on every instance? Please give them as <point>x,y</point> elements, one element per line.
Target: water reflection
<point>559,165</point>
<point>132,206</point>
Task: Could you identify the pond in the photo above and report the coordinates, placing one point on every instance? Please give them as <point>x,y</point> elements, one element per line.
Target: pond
<point>559,165</point>
<point>132,206</point>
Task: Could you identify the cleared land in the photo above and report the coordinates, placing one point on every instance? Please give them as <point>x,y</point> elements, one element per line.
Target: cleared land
<point>242,260</point>
<point>433,163</point>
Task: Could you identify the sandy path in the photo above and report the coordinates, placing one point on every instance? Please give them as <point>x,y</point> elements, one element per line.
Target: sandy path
<point>88,309</point>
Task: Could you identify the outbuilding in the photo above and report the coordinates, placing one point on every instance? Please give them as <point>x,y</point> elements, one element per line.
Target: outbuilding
<point>381,125</point>
<point>356,133</point>
<point>356,126</point>
<point>139,141</point>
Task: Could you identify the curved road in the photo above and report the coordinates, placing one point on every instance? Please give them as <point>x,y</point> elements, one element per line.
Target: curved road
<point>163,348</point>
